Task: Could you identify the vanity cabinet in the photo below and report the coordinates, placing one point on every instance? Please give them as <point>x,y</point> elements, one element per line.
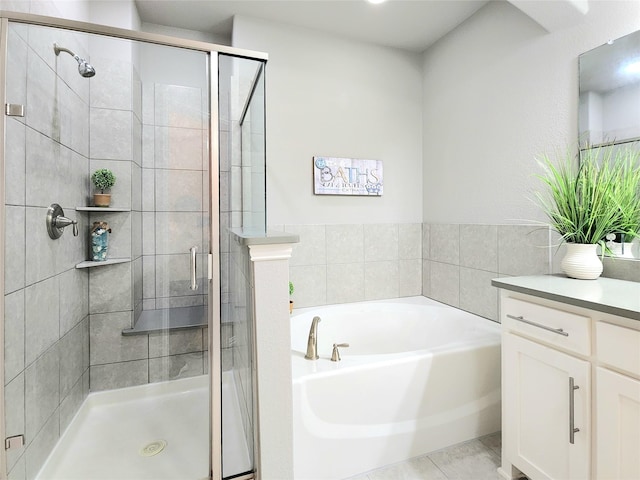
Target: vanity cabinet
<point>617,447</point>
<point>570,386</point>
<point>546,391</point>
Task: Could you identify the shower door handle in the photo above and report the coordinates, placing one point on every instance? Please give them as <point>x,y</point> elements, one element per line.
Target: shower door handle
<point>194,282</point>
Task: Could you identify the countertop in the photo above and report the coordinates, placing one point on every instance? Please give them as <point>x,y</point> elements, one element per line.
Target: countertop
<point>608,295</point>
<point>261,237</point>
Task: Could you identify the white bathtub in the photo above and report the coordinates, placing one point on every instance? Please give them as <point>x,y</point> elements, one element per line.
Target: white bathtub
<point>418,376</point>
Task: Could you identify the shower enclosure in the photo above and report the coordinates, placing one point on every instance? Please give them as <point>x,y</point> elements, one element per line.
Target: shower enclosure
<point>142,365</point>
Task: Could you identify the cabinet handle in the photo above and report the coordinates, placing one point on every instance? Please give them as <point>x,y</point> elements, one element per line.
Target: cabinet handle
<point>559,331</point>
<point>572,425</point>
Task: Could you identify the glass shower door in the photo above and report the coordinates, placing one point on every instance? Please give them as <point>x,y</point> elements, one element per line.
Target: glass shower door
<point>242,206</point>
<point>106,371</point>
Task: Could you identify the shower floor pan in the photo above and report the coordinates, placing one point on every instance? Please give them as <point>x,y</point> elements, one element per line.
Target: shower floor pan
<point>150,432</point>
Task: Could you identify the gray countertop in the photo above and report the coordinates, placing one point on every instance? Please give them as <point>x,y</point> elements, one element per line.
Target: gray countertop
<point>608,295</point>
<point>261,237</point>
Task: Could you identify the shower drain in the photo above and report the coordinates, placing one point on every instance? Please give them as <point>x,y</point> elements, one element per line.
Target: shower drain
<point>153,448</point>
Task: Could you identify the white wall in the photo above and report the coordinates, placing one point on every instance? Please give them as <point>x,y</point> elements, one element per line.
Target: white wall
<point>336,97</point>
<point>499,90</point>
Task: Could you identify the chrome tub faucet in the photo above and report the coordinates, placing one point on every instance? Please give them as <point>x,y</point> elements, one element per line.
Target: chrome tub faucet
<point>312,341</point>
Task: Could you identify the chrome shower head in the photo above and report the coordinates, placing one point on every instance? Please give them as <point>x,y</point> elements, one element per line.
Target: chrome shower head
<point>84,68</point>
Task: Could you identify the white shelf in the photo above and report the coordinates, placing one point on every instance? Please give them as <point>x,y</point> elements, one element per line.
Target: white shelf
<point>102,209</point>
<point>108,261</point>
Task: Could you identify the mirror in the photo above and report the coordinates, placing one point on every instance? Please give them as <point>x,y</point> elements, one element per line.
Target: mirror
<point>609,107</point>
<point>609,104</point>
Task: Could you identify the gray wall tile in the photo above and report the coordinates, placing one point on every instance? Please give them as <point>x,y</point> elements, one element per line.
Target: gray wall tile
<point>477,295</point>
<point>523,250</point>
<point>108,345</point>
<point>15,153</point>
<point>409,278</point>
<point>42,392</point>
<point>13,334</point>
<point>110,134</point>
<point>380,242</point>
<point>178,190</point>
<point>71,360</point>
<point>42,445</point>
<point>175,343</point>
<point>14,415</point>
<point>380,280</point>
<point>409,241</point>
<point>110,288</point>
<point>479,247</point>
<point>14,249</point>
<point>444,240</point>
<point>312,248</point>
<point>175,366</point>
<point>41,318</point>
<point>177,232</point>
<point>426,241</point>
<point>178,106</point>
<point>345,282</point>
<point>71,404</point>
<point>16,83</point>
<point>119,375</point>
<point>112,88</point>
<point>445,283</point>
<point>40,104</point>
<point>426,278</point>
<point>178,148</point>
<point>311,285</point>
<point>74,298</point>
<point>19,471</point>
<point>345,243</point>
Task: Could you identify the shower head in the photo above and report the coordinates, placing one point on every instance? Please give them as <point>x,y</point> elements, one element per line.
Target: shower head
<point>84,68</point>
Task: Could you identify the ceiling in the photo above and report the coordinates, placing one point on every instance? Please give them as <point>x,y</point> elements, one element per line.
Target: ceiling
<point>411,25</point>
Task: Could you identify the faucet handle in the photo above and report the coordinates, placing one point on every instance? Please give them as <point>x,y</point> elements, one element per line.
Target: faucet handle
<point>335,355</point>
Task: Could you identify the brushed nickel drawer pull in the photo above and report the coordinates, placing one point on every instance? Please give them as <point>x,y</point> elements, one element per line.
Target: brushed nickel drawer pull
<point>572,422</point>
<point>559,331</point>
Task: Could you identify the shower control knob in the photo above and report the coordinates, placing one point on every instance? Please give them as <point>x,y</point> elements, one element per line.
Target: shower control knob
<point>56,222</point>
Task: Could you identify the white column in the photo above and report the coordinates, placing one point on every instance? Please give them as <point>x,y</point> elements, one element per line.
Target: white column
<point>270,272</point>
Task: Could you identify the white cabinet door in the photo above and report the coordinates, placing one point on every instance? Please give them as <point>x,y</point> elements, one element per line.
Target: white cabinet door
<point>541,409</point>
<point>618,426</point>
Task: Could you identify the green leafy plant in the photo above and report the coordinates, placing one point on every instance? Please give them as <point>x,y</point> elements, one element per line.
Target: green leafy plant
<point>291,289</point>
<point>600,196</point>
<point>103,179</point>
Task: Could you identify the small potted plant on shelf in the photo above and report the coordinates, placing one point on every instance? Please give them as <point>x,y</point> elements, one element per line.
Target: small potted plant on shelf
<point>291,289</point>
<point>587,202</point>
<point>102,179</point>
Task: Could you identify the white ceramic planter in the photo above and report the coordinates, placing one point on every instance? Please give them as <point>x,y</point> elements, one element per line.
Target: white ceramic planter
<point>582,261</point>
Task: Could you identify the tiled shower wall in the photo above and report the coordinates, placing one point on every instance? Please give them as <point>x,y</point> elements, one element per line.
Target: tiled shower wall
<point>168,166</point>
<point>46,297</point>
<point>451,263</point>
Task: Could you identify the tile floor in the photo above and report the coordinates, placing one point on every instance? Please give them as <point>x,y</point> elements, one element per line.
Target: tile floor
<point>473,460</point>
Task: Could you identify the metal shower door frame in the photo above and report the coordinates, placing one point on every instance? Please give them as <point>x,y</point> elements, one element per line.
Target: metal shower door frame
<point>212,51</point>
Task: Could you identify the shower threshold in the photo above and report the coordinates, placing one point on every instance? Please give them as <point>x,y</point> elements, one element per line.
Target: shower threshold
<point>157,431</point>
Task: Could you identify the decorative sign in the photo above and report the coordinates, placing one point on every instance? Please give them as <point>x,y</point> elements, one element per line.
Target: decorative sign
<point>347,176</point>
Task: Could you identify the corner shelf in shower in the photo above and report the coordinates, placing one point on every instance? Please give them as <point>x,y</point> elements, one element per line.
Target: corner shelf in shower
<point>102,209</point>
<point>108,261</point>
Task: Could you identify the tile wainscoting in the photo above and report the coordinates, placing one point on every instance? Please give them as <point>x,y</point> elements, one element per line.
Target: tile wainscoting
<point>451,263</point>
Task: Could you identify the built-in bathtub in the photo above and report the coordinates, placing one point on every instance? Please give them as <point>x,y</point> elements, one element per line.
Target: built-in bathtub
<point>418,376</point>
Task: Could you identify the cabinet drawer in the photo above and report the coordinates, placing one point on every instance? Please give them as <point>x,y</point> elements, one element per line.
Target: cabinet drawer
<point>550,325</point>
<point>618,347</point>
